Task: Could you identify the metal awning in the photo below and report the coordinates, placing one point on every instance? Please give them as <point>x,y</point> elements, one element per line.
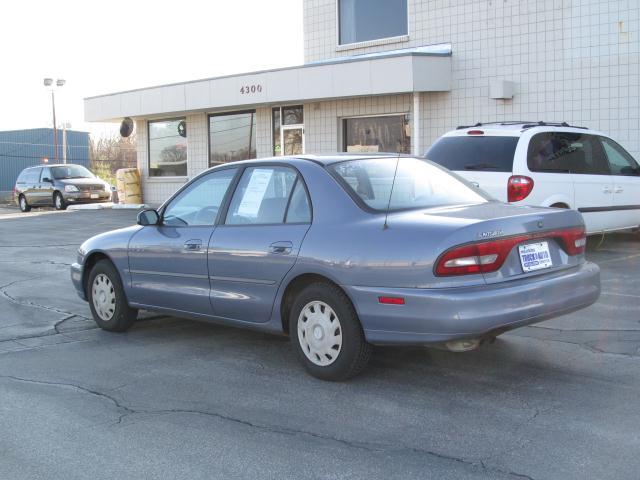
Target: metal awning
<point>423,69</point>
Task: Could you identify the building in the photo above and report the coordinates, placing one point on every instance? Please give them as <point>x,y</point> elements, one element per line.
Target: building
<point>393,75</point>
<point>20,149</point>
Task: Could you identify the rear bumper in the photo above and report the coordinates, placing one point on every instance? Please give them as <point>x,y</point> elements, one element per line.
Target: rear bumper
<point>441,315</point>
<point>76,279</point>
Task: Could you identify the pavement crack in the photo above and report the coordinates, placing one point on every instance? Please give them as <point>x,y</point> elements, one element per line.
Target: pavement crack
<point>126,411</point>
<point>14,300</point>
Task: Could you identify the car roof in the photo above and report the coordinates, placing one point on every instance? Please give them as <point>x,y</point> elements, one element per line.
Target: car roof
<point>320,159</point>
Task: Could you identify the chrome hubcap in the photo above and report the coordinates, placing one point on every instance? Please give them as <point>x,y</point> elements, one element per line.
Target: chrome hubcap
<point>104,297</point>
<point>319,333</point>
<point>58,202</point>
<point>23,203</point>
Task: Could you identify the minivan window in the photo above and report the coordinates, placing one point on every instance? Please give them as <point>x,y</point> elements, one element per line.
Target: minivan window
<point>565,152</point>
<point>620,162</point>
<point>71,171</point>
<point>413,184</point>
<point>31,175</point>
<point>474,152</point>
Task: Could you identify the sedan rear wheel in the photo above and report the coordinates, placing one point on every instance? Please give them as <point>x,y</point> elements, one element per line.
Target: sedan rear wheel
<point>107,298</point>
<point>328,336</point>
<point>24,206</point>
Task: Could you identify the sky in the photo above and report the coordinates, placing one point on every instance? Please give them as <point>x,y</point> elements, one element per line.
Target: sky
<point>107,46</point>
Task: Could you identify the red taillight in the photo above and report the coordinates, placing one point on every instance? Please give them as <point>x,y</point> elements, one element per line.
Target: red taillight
<point>486,257</point>
<point>391,300</point>
<point>475,132</point>
<point>519,187</point>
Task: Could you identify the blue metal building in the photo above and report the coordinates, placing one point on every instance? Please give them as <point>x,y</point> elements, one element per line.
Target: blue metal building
<point>24,148</point>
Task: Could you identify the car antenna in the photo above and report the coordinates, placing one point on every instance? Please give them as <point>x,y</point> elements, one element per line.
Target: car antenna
<point>393,182</point>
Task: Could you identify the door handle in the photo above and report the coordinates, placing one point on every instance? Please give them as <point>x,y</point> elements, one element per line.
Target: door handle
<point>281,248</point>
<point>618,190</point>
<point>192,245</point>
<point>606,189</point>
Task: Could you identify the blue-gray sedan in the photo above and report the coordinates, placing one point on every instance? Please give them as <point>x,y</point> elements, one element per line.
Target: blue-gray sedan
<point>341,253</point>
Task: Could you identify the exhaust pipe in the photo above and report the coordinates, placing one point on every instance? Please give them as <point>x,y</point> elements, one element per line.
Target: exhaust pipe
<point>463,345</point>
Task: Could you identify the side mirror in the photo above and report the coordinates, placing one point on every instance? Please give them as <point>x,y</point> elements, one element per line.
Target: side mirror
<point>148,217</point>
<point>47,179</point>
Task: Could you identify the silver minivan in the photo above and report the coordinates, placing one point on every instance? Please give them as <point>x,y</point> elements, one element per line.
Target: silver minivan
<point>59,186</point>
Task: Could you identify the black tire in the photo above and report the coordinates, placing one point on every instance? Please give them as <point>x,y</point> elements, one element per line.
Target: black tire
<point>58,201</point>
<point>123,315</point>
<point>354,352</point>
<point>24,206</point>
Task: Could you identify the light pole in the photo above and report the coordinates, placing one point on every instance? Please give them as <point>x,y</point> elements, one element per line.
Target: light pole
<point>48,82</point>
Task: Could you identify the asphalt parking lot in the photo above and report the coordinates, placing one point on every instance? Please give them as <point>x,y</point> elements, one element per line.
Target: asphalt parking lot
<point>174,398</point>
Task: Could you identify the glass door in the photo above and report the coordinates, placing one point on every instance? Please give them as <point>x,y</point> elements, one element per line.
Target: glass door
<point>293,140</point>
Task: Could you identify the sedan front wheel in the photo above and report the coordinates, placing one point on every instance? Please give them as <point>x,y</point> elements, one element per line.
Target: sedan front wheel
<point>328,336</point>
<point>107,299</point>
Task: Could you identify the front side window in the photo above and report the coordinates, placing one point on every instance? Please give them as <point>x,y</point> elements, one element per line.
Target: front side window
<point>262,196</point>
<point>413,184</point>
<point>232,136</point>
<point>389,133</point>
<point>364,20</point>
<point>168,148</point>
<point>620,161</point>
<point>70,171</point>
<point>198,204</point>
<point>46,173</point>
<point>564,152</point>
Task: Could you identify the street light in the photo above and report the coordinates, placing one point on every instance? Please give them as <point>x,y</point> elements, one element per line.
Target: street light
<point>48,82</point>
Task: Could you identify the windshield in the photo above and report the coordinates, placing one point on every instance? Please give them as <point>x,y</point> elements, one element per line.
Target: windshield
<point>418,184</point>
<point>474,152</point>
<point>71,171</point>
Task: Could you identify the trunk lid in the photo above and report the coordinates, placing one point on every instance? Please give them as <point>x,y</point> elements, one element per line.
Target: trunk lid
<point>469,224</point>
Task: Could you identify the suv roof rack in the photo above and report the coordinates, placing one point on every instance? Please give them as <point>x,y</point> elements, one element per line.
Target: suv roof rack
<point>525,124</point>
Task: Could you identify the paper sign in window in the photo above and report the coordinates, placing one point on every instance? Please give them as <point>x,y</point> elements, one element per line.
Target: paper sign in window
<point>253,195</point>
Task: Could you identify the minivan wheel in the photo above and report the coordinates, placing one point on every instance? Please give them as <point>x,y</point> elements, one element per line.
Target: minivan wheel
<point>24,206</point>
<point>327,334</point>
<point>58,201</point>
<point>107,299</point>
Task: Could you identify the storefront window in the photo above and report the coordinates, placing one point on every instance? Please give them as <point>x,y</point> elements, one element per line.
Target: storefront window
<point>390,133</point>
<point>288,130</point>
<point>363,20</point>
<point>232,136</point>
<point>168,148</point>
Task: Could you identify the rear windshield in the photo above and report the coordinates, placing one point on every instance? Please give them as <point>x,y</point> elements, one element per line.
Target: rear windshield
<point>474,152</point>
<point>418,184</point>
<point>71,171</point>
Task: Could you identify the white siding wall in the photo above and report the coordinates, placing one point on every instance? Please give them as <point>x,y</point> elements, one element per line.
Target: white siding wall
<point>571,60</point>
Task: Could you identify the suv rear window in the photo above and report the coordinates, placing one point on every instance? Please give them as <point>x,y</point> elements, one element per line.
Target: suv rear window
<point>475,152</point>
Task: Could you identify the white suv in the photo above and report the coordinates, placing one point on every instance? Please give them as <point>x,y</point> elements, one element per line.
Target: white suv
<point>550,165</point>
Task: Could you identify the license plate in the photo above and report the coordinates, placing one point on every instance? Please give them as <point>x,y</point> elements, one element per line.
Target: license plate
<point>94,195</point>
<point>535,256</point>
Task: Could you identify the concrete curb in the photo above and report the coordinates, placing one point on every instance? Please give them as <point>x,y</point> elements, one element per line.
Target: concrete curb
<point>102,206</point>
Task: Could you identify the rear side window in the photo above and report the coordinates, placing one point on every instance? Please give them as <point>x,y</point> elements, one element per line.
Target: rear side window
<point>31,175</point>
<point>474,152</point>
<point>262,196</point>
<point>565,152</point>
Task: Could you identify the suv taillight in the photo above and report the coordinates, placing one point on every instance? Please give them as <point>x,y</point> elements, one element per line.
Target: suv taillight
<point>488,256</point>
<point>519,187</point>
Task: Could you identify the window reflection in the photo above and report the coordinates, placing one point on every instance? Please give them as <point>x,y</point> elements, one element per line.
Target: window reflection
<point>377,134</point>
<point>167,148</point>
<point>232,136</point>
